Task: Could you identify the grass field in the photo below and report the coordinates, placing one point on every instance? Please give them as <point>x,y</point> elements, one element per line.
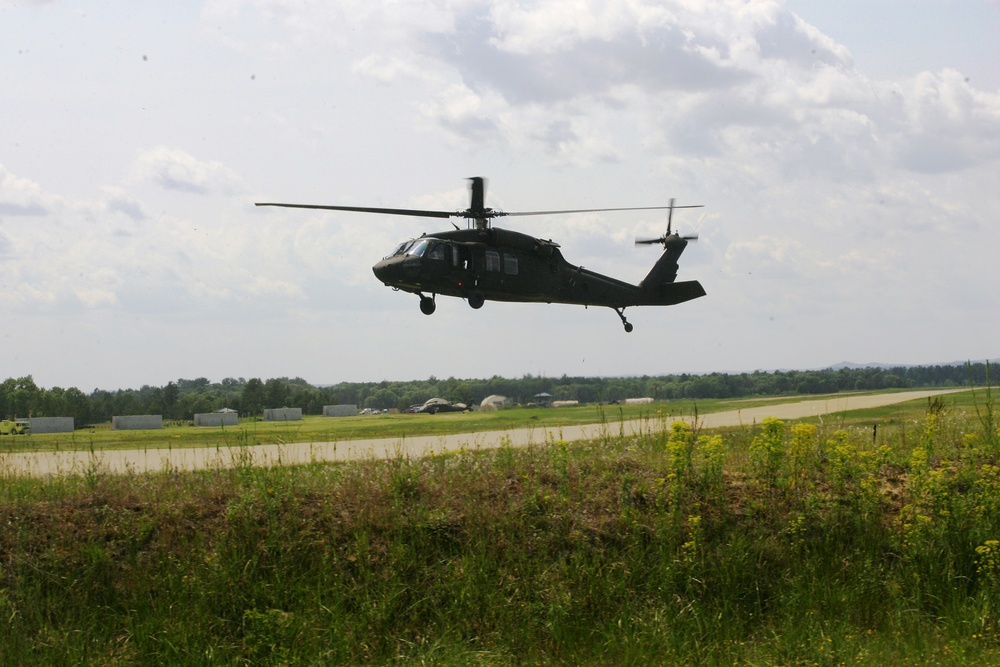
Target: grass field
<point>823,543</point>
<point>340,429</point>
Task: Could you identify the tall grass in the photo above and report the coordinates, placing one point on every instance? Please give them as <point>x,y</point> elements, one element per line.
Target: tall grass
<point>777,544</point>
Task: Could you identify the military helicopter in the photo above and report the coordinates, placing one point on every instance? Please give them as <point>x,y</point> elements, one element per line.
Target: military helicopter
<point>485,263</point>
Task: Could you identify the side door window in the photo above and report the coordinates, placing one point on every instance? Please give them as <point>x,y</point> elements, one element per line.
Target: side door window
<point>492,261</point>
<point>436,252</point>
<point>460,258</point>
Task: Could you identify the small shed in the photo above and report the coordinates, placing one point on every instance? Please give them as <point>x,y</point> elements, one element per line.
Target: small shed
<point>223,417</point>
<point>343,410</point>
<point>51,424</point>
<point>136,422</point>
<point>283,414</point>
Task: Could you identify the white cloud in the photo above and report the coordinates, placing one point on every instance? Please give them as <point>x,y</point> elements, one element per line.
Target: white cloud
<point>726,78</point>
<point>945,124</point>
<point>101,288</point>
<point>21,196</point>
<point>387,69</point>
<point>6,246</point>
<point>174,169</point>
<point>113,201</point>
<point>554,26</point>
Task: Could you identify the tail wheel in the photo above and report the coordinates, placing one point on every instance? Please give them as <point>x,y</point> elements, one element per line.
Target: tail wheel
<point>625,323</point>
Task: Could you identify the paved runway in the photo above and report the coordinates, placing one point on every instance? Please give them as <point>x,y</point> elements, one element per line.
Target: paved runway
<point>119,461</point>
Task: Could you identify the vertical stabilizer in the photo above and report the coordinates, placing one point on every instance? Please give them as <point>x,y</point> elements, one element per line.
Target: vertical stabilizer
<point>665,269</point>
<point>659,286</point>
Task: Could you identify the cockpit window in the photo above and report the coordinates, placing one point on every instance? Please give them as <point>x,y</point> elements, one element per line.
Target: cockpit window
<point>418,248</point>
<point>401,249</point>
<point>413,248</point>
<point>429,248</point>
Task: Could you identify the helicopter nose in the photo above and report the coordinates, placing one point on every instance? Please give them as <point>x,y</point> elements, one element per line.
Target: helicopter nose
<point>394,270</point>
<point>382,271</point>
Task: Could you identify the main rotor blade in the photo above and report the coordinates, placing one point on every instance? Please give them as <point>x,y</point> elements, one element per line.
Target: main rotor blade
<point>477,193</point>
<point>598,210</point>
<point>368,209</point>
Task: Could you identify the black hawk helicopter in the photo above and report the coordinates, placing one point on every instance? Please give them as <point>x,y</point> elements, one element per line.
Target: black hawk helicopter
<point>486,263</point>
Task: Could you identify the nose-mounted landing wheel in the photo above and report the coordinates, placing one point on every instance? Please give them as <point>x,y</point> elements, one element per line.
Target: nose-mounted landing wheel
<point>427,305</point>
<point>625,323</point>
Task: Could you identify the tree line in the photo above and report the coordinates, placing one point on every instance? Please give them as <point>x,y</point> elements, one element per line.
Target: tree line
<point>181,399</point>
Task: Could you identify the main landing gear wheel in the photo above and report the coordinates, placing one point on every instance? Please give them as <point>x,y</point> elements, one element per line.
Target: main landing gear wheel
<point>427,305</point>
<point>625,323</point>
<point>476,299</point>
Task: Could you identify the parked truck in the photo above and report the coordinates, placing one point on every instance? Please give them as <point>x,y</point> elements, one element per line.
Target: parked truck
<point>15,427</point>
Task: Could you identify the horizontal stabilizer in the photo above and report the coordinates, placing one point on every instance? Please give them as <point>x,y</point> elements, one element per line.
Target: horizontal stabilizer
<point>670,294</point>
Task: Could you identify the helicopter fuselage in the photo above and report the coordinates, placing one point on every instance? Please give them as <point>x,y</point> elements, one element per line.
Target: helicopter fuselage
<point>501,265</point>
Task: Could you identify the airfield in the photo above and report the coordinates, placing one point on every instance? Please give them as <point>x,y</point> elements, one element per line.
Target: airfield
<point>41,464</point>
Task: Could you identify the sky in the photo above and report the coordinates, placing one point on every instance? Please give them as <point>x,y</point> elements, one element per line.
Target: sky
<point>847,155</point>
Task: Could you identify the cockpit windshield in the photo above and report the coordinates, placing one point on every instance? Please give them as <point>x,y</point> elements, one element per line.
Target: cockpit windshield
<point>401,249</point>
<point>418,248</point>
<point>411,248</point>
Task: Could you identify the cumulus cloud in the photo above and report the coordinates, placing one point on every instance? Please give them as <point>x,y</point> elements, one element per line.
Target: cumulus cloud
<point>386,69</point>
<point>668,70</point>
<point>529,58</point>
<point>741,78</point>
<point>727,78</point>
<point>116,201</point>
<point>788,38</point>
<point>174,169</point>
<point>100,288</point>
<point>944,124</point>
<point>6,247</point>
<point>21,196</point>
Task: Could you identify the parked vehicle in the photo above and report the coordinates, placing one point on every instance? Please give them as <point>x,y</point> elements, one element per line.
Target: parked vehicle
<point>436,405</point>
<point>15,427</point>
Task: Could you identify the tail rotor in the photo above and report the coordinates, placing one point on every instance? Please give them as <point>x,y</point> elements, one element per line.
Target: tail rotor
<point>663,240</point>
